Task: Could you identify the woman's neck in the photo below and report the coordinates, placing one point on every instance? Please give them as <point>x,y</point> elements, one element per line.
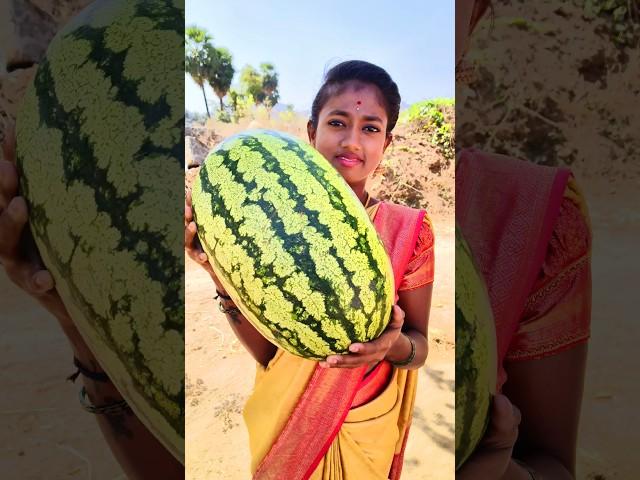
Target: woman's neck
<point>360,192</point>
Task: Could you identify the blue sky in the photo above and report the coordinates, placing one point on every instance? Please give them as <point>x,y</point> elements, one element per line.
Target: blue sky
<point>412,40</point>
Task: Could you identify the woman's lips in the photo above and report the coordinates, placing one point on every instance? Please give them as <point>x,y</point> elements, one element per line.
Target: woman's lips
<point>348,160</point>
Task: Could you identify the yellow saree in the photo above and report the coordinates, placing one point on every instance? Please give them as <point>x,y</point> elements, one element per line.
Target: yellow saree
<point>300,417</point>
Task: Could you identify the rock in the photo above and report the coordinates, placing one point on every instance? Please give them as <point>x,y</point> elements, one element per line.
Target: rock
<point>204,135</point>
<point>194,152</point>
<point>26,28</point>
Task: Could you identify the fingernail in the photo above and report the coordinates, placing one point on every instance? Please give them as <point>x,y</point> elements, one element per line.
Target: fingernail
<point>14,209</point>
<point>332,361</point>
<point>355,348</point>
<point>41,281</point>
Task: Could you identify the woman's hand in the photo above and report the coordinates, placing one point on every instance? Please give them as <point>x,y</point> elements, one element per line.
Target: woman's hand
<point>372,352</point>
<point>18,251</point>
<point>192,243</point>
<point>493,455</point>
<point>19,254</point>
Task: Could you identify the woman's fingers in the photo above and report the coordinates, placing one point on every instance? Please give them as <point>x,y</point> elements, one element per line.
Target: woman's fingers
<point>192,244</point>
<point>8,183</point>
<point>42,282</point>
<point>397,317</point>
<point>12,223</point>
<point>188,209</point>
<point>9,143</point>
<point>372,351</point>
<point>505,420</point>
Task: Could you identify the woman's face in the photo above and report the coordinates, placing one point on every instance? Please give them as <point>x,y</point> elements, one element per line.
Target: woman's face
<point>351,132</point>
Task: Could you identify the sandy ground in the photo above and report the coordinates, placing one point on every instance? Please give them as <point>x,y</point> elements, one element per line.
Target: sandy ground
<point>609,427</point>
<point>220,377</point>
<point>44,433</point>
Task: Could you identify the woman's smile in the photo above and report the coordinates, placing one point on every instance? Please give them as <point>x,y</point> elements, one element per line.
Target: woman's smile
<point>349,160</point>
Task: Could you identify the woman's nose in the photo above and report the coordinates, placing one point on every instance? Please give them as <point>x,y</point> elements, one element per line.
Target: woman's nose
<point>351,139</point>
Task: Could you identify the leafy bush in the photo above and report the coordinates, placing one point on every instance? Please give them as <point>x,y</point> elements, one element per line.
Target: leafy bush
<point>624,17</point>
<point>435,118</point>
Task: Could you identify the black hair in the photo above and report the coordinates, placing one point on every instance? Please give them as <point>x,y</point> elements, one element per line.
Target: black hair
<point>360,71</point>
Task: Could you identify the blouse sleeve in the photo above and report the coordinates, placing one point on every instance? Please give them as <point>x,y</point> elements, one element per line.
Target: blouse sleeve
<point>557,313</point>
<point>419,271</point>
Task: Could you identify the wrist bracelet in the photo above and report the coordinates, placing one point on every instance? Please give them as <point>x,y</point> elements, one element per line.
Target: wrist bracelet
<point>411,356</point>
<point>219,295</point>
<point>106,409</point>
<point>81,369</point>
<point>225,310</point>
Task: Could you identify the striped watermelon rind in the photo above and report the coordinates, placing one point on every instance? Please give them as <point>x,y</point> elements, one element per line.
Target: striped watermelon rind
<point>292,244</point>
<point>99,146</point>
<point>476,351</point>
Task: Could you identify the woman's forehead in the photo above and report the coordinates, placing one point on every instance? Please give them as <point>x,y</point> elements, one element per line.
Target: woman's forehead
<point>359,94</point>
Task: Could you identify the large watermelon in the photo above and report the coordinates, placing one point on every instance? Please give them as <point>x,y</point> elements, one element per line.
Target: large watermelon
<point>475,353</point>
<point>99,147</point>
<point>292,244</point>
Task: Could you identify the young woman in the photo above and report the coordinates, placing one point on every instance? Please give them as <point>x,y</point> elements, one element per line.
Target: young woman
<point>347,416</point>
<point>527,227</point>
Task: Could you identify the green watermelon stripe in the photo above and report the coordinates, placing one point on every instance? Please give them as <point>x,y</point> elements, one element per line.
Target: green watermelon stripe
<point>293,194</point>
<point>272,165</point>
<point>157,262</point>
<point>465,369</point>
<point>111,65</point>
<point>219,209</point>
<point>337,200</point>
<point>319,284</point>
<point>158,265</point>
<point>314,216</point>
<point>165,16</point>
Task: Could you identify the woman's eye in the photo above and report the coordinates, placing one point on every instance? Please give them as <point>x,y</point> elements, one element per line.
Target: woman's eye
<point>371,129</point>
<point>335,123</point>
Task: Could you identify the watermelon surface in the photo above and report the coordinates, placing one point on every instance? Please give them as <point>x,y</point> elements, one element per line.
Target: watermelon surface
<point>476,367</point>
<point>99,147</point>
<point>292,244</point>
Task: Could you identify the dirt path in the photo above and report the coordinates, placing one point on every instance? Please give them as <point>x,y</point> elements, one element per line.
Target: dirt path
<point>44,433</point>
<point>609,425</point>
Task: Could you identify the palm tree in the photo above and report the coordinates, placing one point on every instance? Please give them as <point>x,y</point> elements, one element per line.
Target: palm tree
<point>221,76</point>
<point>199,57</point>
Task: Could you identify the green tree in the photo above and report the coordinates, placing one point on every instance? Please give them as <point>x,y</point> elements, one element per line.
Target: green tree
<point>221,73</point>
<point>269,85</point>
<point>200,57</point>
<point>251,84</point>
<point>261,85</point>
<point>240,104</point>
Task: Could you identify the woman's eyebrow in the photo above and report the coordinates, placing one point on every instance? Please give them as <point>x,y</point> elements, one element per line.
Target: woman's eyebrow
<point>341,113</point>
<point>368,118</point>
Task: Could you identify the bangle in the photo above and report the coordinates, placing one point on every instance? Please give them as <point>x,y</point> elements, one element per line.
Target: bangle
<point>106,409</point>
<point>219,295</point>
<point>225,310</point>
<point>411,356</point>
<point>81,369</point>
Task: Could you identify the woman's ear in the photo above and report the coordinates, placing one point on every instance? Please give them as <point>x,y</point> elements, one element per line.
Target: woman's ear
<point>311,131</point>
<point>387,142</point>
